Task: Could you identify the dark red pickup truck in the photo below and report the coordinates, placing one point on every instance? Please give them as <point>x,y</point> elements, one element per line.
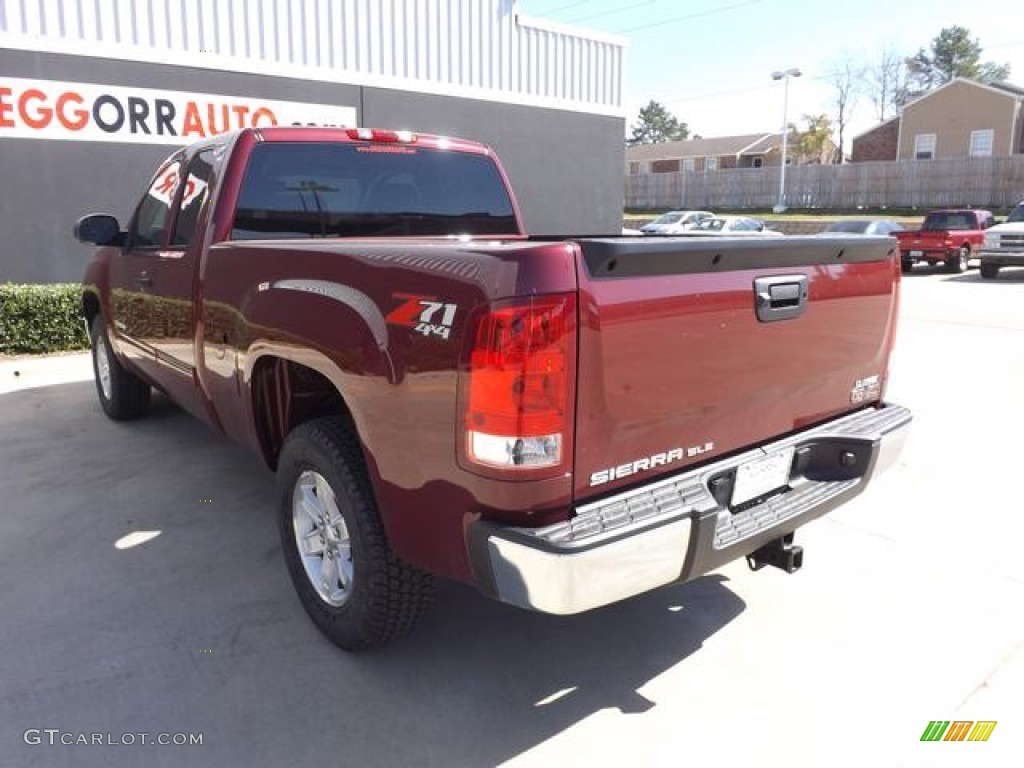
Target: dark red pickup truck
<point>562,422</point>
<point>952,237</point>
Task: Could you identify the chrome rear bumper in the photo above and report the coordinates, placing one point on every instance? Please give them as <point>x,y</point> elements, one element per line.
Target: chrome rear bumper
<point>681,527</point>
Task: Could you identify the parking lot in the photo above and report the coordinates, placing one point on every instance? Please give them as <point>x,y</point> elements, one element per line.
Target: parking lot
<point>909,608</point>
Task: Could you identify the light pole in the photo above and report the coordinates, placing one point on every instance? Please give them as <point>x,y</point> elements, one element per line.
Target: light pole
<point>784,76</point>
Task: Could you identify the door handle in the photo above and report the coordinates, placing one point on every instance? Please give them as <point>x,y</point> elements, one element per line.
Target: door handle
<point>782,297</point>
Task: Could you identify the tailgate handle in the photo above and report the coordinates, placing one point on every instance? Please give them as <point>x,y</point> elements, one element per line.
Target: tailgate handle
<point>782,297</point>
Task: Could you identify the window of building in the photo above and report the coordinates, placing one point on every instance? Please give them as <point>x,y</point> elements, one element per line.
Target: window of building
<point>757,162</point>
<point>981,143</point>
<point>924,146</point>
<point>665,166</point>
<point>689,164</point>
<point>634,169</point>
<point>711,164</point>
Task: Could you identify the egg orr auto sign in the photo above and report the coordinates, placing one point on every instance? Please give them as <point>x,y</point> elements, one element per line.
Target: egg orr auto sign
<point>51,109</point>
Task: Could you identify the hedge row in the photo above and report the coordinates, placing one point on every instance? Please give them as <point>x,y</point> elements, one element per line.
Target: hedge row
<point>41,318</point>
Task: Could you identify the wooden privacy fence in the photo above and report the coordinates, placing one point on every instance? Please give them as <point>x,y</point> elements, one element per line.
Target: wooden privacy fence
<point>993,182</point>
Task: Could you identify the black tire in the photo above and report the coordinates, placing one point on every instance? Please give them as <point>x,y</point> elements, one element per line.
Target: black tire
<point>989,271</point>
<point>385,596</point>
<point>906,267</point>
<point>957,263</point>
<point>127,396</point>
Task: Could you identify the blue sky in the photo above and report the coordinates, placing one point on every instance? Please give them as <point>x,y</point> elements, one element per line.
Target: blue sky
<point>712,70</point>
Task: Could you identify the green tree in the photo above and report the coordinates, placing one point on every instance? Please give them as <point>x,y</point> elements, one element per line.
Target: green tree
<point>953,53</point>
<point>813,143</point>
<point>656,124</point>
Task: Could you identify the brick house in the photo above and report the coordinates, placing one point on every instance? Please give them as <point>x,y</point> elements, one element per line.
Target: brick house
<point>747,151</point>
<point>962,118</point>
<point>878,143</point>
<point>753,150</point>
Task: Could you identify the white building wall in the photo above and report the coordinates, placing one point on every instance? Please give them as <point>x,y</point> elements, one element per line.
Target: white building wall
<point>474,48</point>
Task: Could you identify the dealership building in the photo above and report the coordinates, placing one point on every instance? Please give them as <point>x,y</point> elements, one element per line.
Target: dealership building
<point>95,93</point>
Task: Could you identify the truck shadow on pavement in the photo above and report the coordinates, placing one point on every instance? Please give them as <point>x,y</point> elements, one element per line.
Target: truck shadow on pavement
<point>197,629</point>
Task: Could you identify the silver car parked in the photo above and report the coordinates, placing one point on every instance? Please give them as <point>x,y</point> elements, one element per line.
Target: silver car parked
<point>674,222</point>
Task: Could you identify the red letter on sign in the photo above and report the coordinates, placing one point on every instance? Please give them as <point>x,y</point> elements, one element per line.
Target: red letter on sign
<point>193,123</point>
<point>263,112</point>
<point>81,115</point>
<point>43,115</point>
<point>5,122</point>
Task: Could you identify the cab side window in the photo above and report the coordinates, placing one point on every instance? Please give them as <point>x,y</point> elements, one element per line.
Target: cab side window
<point>194,196</point>
<point>149,227</point>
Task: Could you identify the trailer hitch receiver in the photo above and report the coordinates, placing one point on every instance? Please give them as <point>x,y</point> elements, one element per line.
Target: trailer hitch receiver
<point>781,553</point>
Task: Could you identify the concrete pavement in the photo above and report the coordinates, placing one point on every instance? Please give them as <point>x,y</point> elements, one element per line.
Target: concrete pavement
<point>910,606</point>
<point>18,373</point>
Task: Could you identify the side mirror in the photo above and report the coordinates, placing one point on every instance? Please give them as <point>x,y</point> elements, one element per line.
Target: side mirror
<point>98,229</point>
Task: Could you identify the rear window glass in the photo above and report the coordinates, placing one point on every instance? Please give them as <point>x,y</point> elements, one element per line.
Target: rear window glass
<point>949,221</point>
<point>369,190</point>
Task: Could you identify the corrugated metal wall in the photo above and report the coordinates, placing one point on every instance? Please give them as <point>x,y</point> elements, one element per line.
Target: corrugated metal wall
<point>478,48</point>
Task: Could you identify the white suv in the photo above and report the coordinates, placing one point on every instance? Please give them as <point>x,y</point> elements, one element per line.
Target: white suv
<point>1004,244</point>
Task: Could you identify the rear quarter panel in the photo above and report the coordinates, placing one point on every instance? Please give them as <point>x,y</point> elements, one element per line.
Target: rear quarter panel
<point>326,304</point>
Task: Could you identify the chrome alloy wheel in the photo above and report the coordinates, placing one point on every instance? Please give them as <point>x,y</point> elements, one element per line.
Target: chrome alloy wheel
<point>103,366</point>
<point>322,538</point>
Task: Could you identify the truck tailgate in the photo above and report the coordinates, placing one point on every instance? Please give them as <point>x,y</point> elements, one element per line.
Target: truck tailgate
<point>680,361</point>
<point>925,240</point>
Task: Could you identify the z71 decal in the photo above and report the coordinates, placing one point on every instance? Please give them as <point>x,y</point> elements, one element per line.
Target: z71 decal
<point>424,314</point>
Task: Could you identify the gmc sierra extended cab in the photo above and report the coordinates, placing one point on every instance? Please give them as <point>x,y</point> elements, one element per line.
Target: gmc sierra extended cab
<point>561,422</point>
<point>952,237</point>
<point>1004,244</point>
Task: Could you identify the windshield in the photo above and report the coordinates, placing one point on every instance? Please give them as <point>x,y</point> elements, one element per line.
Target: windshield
<point>667,218</point>
<point>714,225</point>
<point>1017,214</point>
<point>308,189</point>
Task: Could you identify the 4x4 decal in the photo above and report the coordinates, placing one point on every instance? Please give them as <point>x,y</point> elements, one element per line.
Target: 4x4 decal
<point>424,314</point>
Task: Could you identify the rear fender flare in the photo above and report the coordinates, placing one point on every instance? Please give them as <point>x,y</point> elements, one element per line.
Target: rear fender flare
<point>357,301</point>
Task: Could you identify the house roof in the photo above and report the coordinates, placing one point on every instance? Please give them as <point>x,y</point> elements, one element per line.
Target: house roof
<point>1016,90</point>
<point>718,146</point>
<point>1001,88</point>
<point>766,143</point>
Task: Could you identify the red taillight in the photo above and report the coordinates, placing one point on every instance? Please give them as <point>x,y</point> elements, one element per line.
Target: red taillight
<point>518,393</point>
<point>375,134</point>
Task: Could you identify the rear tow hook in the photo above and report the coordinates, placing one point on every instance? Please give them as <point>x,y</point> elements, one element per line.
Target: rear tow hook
<point>782,553</point>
